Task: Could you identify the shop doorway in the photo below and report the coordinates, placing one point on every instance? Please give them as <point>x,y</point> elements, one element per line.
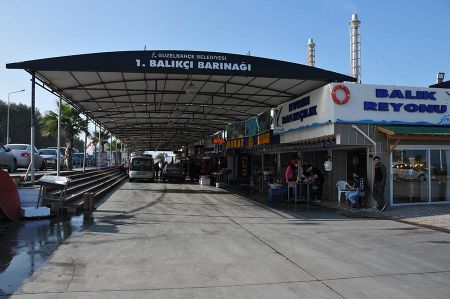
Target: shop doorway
<point>317,159</point>
<point>356,161</point>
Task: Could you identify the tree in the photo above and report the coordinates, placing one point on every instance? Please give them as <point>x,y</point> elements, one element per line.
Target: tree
<point>20,123</point>
<point>115,145</point>
<point>71,125</point>
<point>104,136</point>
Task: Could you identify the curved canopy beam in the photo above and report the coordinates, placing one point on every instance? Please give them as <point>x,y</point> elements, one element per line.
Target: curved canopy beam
<point>194,93</point>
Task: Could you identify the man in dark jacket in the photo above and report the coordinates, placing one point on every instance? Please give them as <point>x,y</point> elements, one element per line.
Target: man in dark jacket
<point>357,190</point>
<point>378,183</point>
<point>317,179</point>
<point>156,170</point>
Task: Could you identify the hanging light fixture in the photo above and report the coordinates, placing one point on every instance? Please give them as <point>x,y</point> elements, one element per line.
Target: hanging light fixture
<point>191,88</point>
<point>177,112</point>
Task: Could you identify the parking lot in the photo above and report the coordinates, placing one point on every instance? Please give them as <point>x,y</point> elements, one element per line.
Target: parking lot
<point>184,240</point>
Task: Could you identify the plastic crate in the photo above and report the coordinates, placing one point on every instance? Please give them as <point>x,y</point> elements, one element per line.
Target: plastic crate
<point>275,194</point>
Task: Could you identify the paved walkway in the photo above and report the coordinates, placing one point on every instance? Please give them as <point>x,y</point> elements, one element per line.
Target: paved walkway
<point>435,216</point>
<point>187,241</point>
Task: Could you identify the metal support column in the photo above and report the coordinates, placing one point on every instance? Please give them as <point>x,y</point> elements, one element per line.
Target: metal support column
<point>121,151</point>
<point>110,152</point>
<point>33,122</point>
<point>279,170</point>
<point>95,145</point>
<point>85,143</point>
<point>99,144</point>
<point>58,142</point>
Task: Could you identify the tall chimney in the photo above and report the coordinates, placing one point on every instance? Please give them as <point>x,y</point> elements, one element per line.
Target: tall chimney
<point>440,77</point>
<point>355,48</point>
<point>311,56</point>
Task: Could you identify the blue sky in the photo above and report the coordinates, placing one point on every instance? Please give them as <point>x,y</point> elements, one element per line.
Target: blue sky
<point>403,42</point>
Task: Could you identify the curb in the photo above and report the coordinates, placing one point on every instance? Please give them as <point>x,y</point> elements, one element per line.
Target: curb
<point>348,213</point>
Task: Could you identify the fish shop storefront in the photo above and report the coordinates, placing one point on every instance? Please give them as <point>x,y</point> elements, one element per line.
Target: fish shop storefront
<point>408,127</point>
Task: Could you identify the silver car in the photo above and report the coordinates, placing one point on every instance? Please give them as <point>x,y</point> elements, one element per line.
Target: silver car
<point>22,152</point>
<point>7,159</point>
<point>49,156</point>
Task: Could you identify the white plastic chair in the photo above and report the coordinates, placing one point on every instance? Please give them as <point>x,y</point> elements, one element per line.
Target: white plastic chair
<point>342,187</point>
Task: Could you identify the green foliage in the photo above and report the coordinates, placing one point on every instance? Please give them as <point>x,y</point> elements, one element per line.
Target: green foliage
<point>71,125</point>
<point>20,124</point>
<point>115,145</point>
<point>104,138</point>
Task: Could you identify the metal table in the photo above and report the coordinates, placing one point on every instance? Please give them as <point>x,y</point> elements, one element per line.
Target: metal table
<point>59,183</point>
<point>298,190</point>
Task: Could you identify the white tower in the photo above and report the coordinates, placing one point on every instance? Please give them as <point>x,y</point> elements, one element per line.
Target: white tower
<point>355,48</point>
<point>311,54</point>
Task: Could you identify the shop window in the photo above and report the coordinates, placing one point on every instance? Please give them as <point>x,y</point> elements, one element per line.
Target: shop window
<point>410,176</point>
<point>440,180</point>
<point>256,164</point>
<point>270,163</point>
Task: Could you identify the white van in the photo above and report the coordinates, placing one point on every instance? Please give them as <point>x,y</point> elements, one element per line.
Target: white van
<point>141,168</point>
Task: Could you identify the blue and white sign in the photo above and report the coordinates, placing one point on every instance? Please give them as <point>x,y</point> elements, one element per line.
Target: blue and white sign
<point>301,113</point>
<point>361,103</point>
<point>392,105</point>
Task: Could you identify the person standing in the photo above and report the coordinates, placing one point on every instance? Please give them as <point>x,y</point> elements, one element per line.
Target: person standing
<point>156,170</point>
<point>317,179</point>
<point>379,183</point>
<point>289,174</point>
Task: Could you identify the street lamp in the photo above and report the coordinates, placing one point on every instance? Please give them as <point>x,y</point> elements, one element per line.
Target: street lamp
<point>7,118</point>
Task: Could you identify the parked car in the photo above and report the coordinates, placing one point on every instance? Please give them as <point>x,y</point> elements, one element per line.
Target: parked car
<point>7,159</point>
<point>404,171</point>
<point>92,160</point>
<point>49,156</point>
<point>77,159</point>
<point>173,172</point>
<point>141,168</point>
<point>22,152</point>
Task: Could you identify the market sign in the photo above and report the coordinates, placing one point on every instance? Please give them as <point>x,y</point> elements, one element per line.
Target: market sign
<point>307,111</point>
<point>218,140</point>
<point>235,143</point>
<point>368,104</point>
<point>253,141</point>
<point>244,166</point>
<point>380,104</point>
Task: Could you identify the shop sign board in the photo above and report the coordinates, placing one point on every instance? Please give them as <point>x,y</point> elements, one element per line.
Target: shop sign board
<point>244,166</point>
<point>381,104</point>
<point>362,103</point>
<point>264,121</point>
<point>236,130</point>
<point>253,141</point>
<point>303,112</point>
<point>264,138</point>
<point>218,140</point>
<point>251,126</point>
<point>235,143</point>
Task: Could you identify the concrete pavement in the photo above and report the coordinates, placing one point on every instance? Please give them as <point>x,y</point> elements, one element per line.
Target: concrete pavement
<point>188,241</point>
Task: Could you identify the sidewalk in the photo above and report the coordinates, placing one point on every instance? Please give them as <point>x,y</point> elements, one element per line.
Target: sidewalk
<point>435,216</point>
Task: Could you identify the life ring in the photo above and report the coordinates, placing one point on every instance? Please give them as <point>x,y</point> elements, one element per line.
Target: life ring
<point>334,96</point>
